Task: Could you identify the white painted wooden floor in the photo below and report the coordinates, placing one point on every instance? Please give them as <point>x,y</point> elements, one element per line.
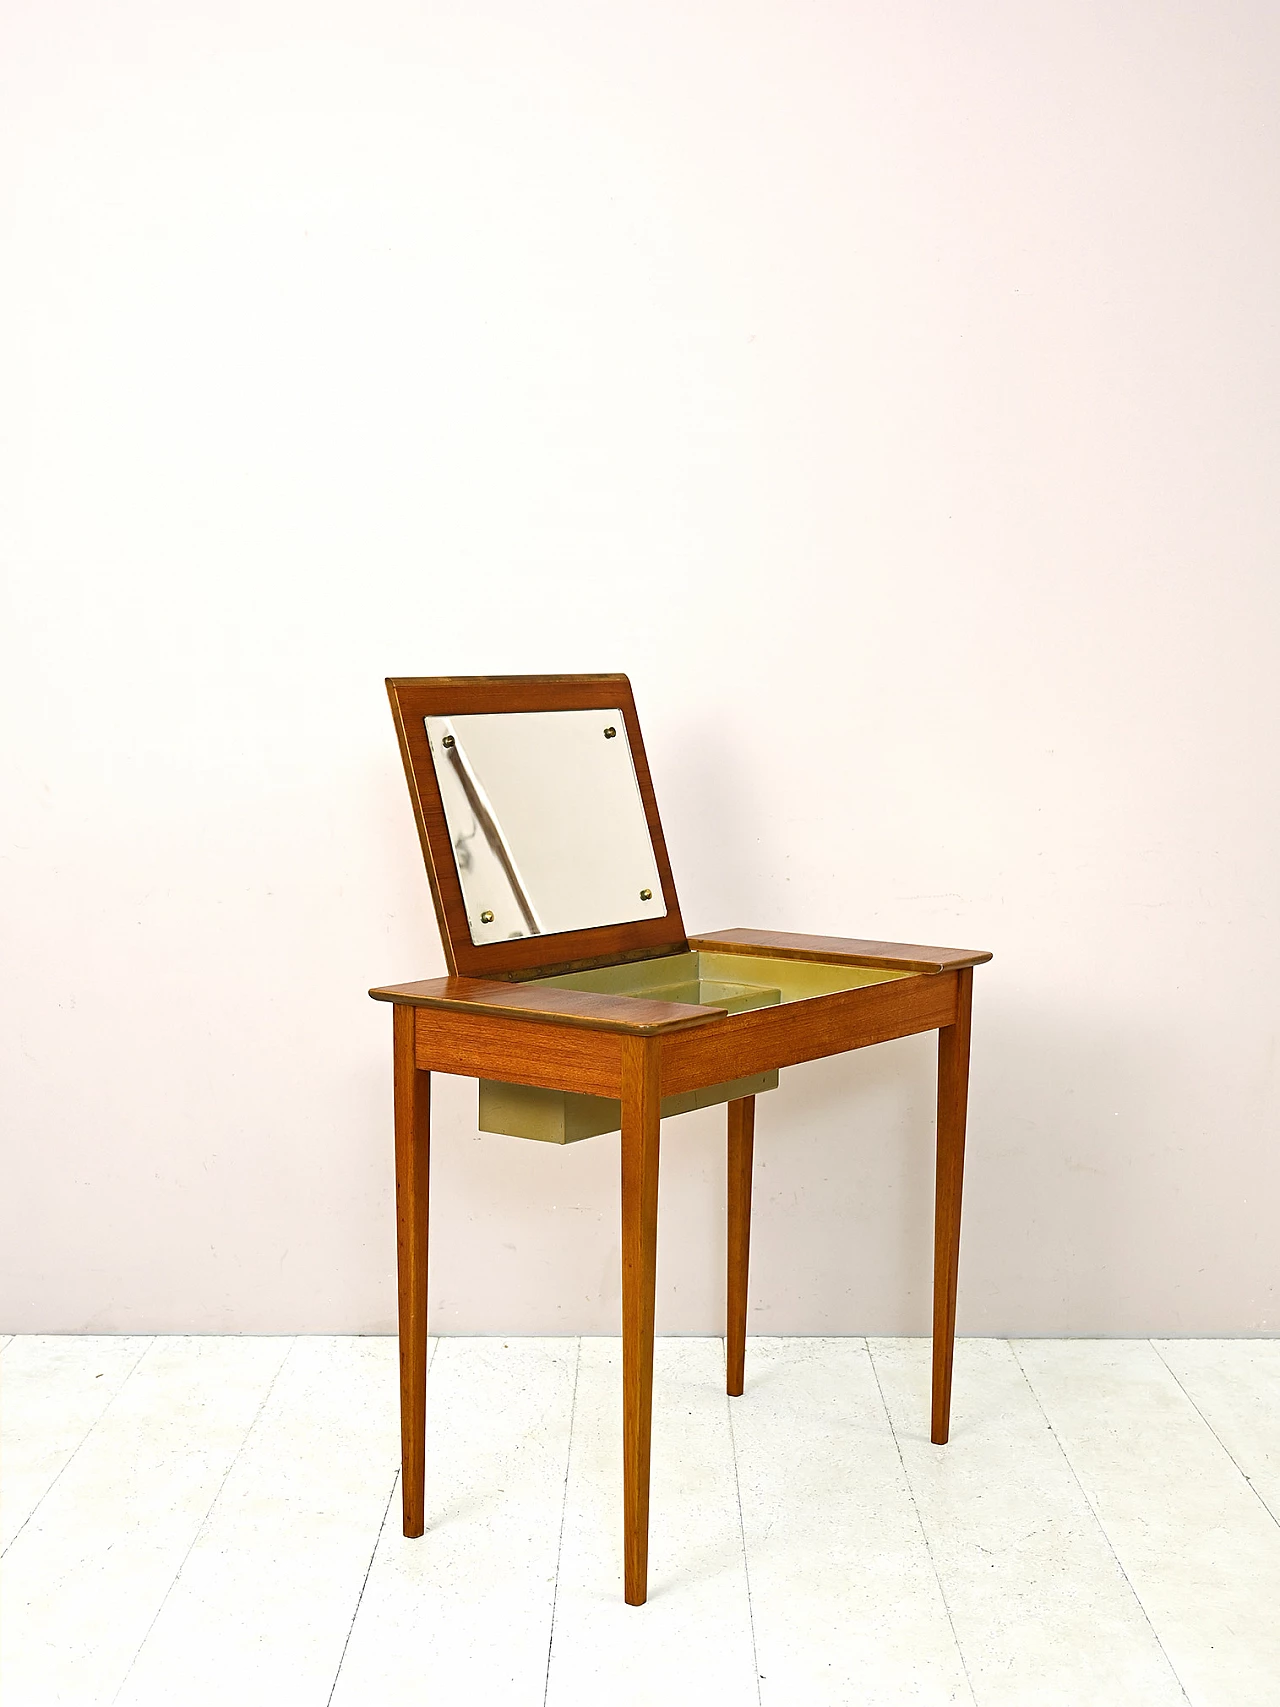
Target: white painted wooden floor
<point>217,1520</point>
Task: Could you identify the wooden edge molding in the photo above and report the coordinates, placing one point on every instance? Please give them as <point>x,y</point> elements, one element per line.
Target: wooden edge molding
<point>840,951</point>
<point>636,1015</point>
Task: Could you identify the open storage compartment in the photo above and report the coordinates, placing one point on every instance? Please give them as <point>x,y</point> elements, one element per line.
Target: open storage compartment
<point>734,982</point>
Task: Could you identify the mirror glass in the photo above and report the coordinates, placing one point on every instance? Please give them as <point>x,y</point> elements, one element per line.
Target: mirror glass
<point>546,821</point>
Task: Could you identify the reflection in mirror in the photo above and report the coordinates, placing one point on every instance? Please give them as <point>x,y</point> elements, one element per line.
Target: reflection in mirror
<point>546,821</point>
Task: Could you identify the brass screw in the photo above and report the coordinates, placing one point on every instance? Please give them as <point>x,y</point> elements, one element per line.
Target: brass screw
<point>646,894</point>
<point>610,732</point>
<point>486,918</point>
<point>448,741</point>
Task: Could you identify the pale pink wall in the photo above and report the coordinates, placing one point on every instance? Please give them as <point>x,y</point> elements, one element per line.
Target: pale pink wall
<point>892,390</point>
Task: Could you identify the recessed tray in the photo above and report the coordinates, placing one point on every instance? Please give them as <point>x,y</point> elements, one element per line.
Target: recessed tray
<point>735,982</point>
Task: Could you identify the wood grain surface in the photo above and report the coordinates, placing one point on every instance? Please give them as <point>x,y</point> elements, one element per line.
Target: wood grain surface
<point>840,951</point>
<point>539,1002</point>
<point>953,1099</point>
<point>641,1102</point>
<point>413,1160</point>
<point>519,1051</point>
<point>765,1038</point>
<point>742,1125</point>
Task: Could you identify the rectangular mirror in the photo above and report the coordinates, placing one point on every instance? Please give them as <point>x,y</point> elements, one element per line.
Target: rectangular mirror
<point>538,822</point>
<point>546,822</point>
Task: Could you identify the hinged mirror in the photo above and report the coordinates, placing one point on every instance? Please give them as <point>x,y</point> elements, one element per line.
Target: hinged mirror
<point>538,821</point>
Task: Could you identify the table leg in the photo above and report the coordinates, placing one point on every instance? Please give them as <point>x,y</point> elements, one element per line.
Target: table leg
<point>413,1149</point>
<point>742,1123</point>
<point>953,1097</point>
<point>641,1103</point>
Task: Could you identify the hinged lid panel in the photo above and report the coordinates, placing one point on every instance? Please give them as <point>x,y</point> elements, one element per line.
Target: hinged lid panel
<point>538,821</point>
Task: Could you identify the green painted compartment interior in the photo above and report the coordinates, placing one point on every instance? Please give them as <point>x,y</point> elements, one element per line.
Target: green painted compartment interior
<point>784,980</point>
<point>735,982</point>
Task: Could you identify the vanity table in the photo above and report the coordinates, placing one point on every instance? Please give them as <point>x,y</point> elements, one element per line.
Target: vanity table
<point>577,1001</point>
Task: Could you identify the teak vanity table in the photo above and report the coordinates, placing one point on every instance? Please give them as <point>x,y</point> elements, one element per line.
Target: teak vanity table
<point>577,1001</point>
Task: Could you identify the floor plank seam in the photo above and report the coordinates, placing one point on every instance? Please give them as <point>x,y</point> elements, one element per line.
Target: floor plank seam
<point>924,1533</point>
<point>373,1551</point>
<point>742,1530</point>
<point>203,1525</point>
<point>364,1583</point>
<point>102,1413</point>
<point>564,1507</point>
<point>1248,1481</point>
<point>1066,1456</point>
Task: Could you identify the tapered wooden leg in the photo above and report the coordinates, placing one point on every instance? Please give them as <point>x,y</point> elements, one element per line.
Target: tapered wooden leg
<point>641,1102</point>
<point>413,1148</point>
<point>742,1125</point>
<point>953,1098</point>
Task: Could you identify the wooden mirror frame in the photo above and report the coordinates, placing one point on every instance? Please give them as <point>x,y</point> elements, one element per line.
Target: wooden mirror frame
<point>414,698</point>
